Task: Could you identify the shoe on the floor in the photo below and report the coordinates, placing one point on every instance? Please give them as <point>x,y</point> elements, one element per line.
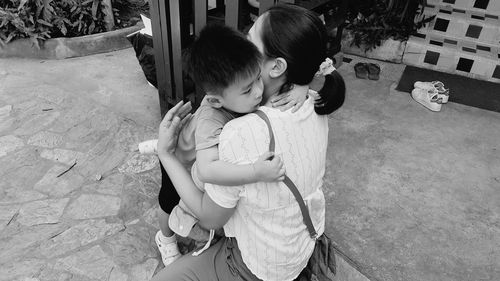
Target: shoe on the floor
<point>169,251</point>
<point>428,98</point>
<point>373,71</point>
<point>443,93</point>
<point>361,70</point>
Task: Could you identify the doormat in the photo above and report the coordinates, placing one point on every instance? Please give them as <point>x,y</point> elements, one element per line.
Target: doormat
<point>464,90</point>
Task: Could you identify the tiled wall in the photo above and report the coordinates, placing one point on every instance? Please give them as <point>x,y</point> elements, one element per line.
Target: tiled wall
<point>464,38</point>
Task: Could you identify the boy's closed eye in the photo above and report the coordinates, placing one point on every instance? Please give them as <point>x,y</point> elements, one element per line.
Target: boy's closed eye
<point>249,89</point>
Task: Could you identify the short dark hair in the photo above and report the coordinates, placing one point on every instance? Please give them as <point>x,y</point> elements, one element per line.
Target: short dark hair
<point>219,57</point>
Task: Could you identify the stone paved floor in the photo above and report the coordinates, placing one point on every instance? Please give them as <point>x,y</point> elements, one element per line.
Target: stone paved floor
<point>412,195</point>
<point>97,220</point>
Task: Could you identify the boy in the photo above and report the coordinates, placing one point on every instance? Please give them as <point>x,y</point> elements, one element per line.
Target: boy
<point>227,67</point>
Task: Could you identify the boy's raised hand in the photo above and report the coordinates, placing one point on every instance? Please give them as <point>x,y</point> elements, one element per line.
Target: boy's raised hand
<point>171,125</point>
<point>269,167</point>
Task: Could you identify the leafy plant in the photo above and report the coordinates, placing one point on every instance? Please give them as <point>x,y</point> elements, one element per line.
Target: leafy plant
<point>385,19</point>
<point>127,12</point>
<point>43,19</point>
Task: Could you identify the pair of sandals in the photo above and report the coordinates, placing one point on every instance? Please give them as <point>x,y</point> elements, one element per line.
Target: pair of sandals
<point>365,70</point>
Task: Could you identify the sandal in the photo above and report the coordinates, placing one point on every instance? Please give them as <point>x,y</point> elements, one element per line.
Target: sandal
<point>373,71</point>
<point>361,70</point>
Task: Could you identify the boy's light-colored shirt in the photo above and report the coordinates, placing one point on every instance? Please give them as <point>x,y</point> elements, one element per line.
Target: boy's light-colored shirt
<point>201,132</point>
<point>267,223</point>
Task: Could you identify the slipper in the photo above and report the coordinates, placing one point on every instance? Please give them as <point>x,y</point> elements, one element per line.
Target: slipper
<point>373,71</point>
<point>361,70</point>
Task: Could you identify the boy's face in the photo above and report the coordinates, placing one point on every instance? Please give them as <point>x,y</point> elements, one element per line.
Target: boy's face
<point>244,95</point>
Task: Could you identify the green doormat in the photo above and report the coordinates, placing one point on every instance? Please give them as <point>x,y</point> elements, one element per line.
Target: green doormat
<point>464,90</point>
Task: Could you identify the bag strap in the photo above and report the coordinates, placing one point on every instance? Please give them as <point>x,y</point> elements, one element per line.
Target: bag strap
<point>293,188</point>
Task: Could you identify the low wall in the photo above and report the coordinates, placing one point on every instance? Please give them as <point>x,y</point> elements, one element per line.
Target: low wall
<point>62,48</point>
<point>390,50</point>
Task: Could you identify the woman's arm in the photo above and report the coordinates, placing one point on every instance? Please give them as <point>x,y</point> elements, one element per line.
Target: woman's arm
<point>210,214</point>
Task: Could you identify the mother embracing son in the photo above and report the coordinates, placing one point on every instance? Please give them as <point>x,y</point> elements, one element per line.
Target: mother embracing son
<point>236,183</point>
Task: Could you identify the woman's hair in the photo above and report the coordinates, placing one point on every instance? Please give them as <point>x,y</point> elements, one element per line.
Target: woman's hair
<point>300,37</point>
<point>219,57</point>
<point>332,95</point>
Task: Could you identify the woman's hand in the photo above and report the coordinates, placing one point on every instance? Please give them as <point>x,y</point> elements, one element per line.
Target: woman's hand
<point>294,98</point>
<point>170,127</point>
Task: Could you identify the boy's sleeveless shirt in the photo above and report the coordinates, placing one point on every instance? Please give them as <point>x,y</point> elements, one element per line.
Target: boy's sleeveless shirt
<point>201,132</point>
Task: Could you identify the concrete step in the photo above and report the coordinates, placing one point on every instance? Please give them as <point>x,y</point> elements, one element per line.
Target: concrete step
<point>348,270</point>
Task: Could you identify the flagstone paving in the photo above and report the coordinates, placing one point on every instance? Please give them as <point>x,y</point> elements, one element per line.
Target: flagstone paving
<point>411,194</point>
<point>77,201</point>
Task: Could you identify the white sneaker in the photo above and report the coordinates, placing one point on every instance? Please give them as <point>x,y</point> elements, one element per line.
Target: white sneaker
<point>443,93</point>
<point>428,98</point>
<point>169,251</point>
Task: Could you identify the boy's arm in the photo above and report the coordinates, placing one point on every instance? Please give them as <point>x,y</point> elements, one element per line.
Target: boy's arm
<point>297,96</point>
<point>214,171</point>
<point>294,98</point>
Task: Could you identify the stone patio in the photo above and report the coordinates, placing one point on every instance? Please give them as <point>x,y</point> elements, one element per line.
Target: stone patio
<point>411,194</point>
<point>97,220</point>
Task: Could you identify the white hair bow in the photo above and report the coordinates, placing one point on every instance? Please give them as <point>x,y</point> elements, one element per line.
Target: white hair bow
<point>326,67</point>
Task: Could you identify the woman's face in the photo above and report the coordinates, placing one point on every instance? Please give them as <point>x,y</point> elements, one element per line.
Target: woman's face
<point>255,36</point>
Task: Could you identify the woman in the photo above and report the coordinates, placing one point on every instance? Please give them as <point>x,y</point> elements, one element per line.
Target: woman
<point>266,237</point>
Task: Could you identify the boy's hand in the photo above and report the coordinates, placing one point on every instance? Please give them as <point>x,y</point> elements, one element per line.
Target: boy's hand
<point>294,98</point>
<point>171,125</point>
<point>269,168</point>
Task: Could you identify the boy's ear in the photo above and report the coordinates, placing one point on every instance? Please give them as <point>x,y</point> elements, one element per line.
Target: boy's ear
<point>214,100</point>
<point>279,67</point>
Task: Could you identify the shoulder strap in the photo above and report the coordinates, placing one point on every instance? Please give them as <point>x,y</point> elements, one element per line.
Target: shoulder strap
<point>264,117</point>
<point>305,212</point>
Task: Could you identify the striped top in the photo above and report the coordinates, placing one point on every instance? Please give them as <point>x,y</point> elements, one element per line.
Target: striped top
<point>267,223</point>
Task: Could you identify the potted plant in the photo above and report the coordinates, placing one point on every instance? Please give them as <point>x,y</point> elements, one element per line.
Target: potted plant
<point>39,20</point>
<point>387,23</point>
<point>57,29</point>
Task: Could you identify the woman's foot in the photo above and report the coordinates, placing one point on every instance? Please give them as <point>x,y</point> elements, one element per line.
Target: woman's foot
<point>168,248</point>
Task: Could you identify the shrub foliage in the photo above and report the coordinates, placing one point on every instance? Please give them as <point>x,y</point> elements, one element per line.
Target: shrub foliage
<point>373,21</point>
<point>43,19</point>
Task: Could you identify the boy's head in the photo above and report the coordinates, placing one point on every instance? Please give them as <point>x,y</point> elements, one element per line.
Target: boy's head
<point>226,65</point>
